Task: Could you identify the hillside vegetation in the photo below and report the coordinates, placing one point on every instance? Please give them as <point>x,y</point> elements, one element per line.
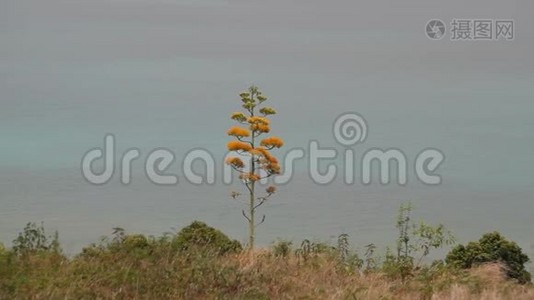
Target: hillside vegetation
<point>200,262</point>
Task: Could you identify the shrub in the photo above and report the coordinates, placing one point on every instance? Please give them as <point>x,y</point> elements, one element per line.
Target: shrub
<point>282,248</point>
<point>414,243</point>
<point>397,266</point>
<point>34,239</point>
<point>199,236</point>
<point>4,254</point>
<point>350,261</point>
<point>492,247</point>
<point>120,243</point>
<point>3,250</point>
<point>136,241</point>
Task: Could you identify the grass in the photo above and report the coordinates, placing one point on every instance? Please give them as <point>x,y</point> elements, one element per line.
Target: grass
<point>138,267</point>
<point>201,262</point>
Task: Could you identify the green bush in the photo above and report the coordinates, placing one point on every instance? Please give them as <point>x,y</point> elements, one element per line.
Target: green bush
<point>201,237</point>
<point>3,250</point>
<point>492,247</point>
<point>34,239</point>
<point>414,243</point>
<point>123,244</point>
<point>136,241</point>
<point>397,266</point>
<point>282,248</point>
<point>4,256</point>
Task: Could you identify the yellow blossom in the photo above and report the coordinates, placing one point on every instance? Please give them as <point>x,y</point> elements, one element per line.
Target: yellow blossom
<point>267,155</point>
<point>235,161</point>
<point>273,141</point>
<point>239,116</point>
<point>263,128</point>
<point>238,132</point>
<point>258,120</point>
<point>249,177</point>
<point>238,145</point>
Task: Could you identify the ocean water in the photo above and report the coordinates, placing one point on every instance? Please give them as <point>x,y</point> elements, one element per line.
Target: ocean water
<point>167,75</point>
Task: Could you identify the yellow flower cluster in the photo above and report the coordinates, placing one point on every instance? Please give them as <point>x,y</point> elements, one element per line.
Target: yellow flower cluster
<point>273,141</point>
<point>238,145</point>
<point>249,177</point>
<point>238,131</point>
<point>239,116</point>
<point>258,120</point>
<point>260,128</point>
<point>268,162</point>
<point>236,162</point>
<point>267,111</point>
<point>273,168</point>
<point>267,155</point>
<point>259,124</point>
